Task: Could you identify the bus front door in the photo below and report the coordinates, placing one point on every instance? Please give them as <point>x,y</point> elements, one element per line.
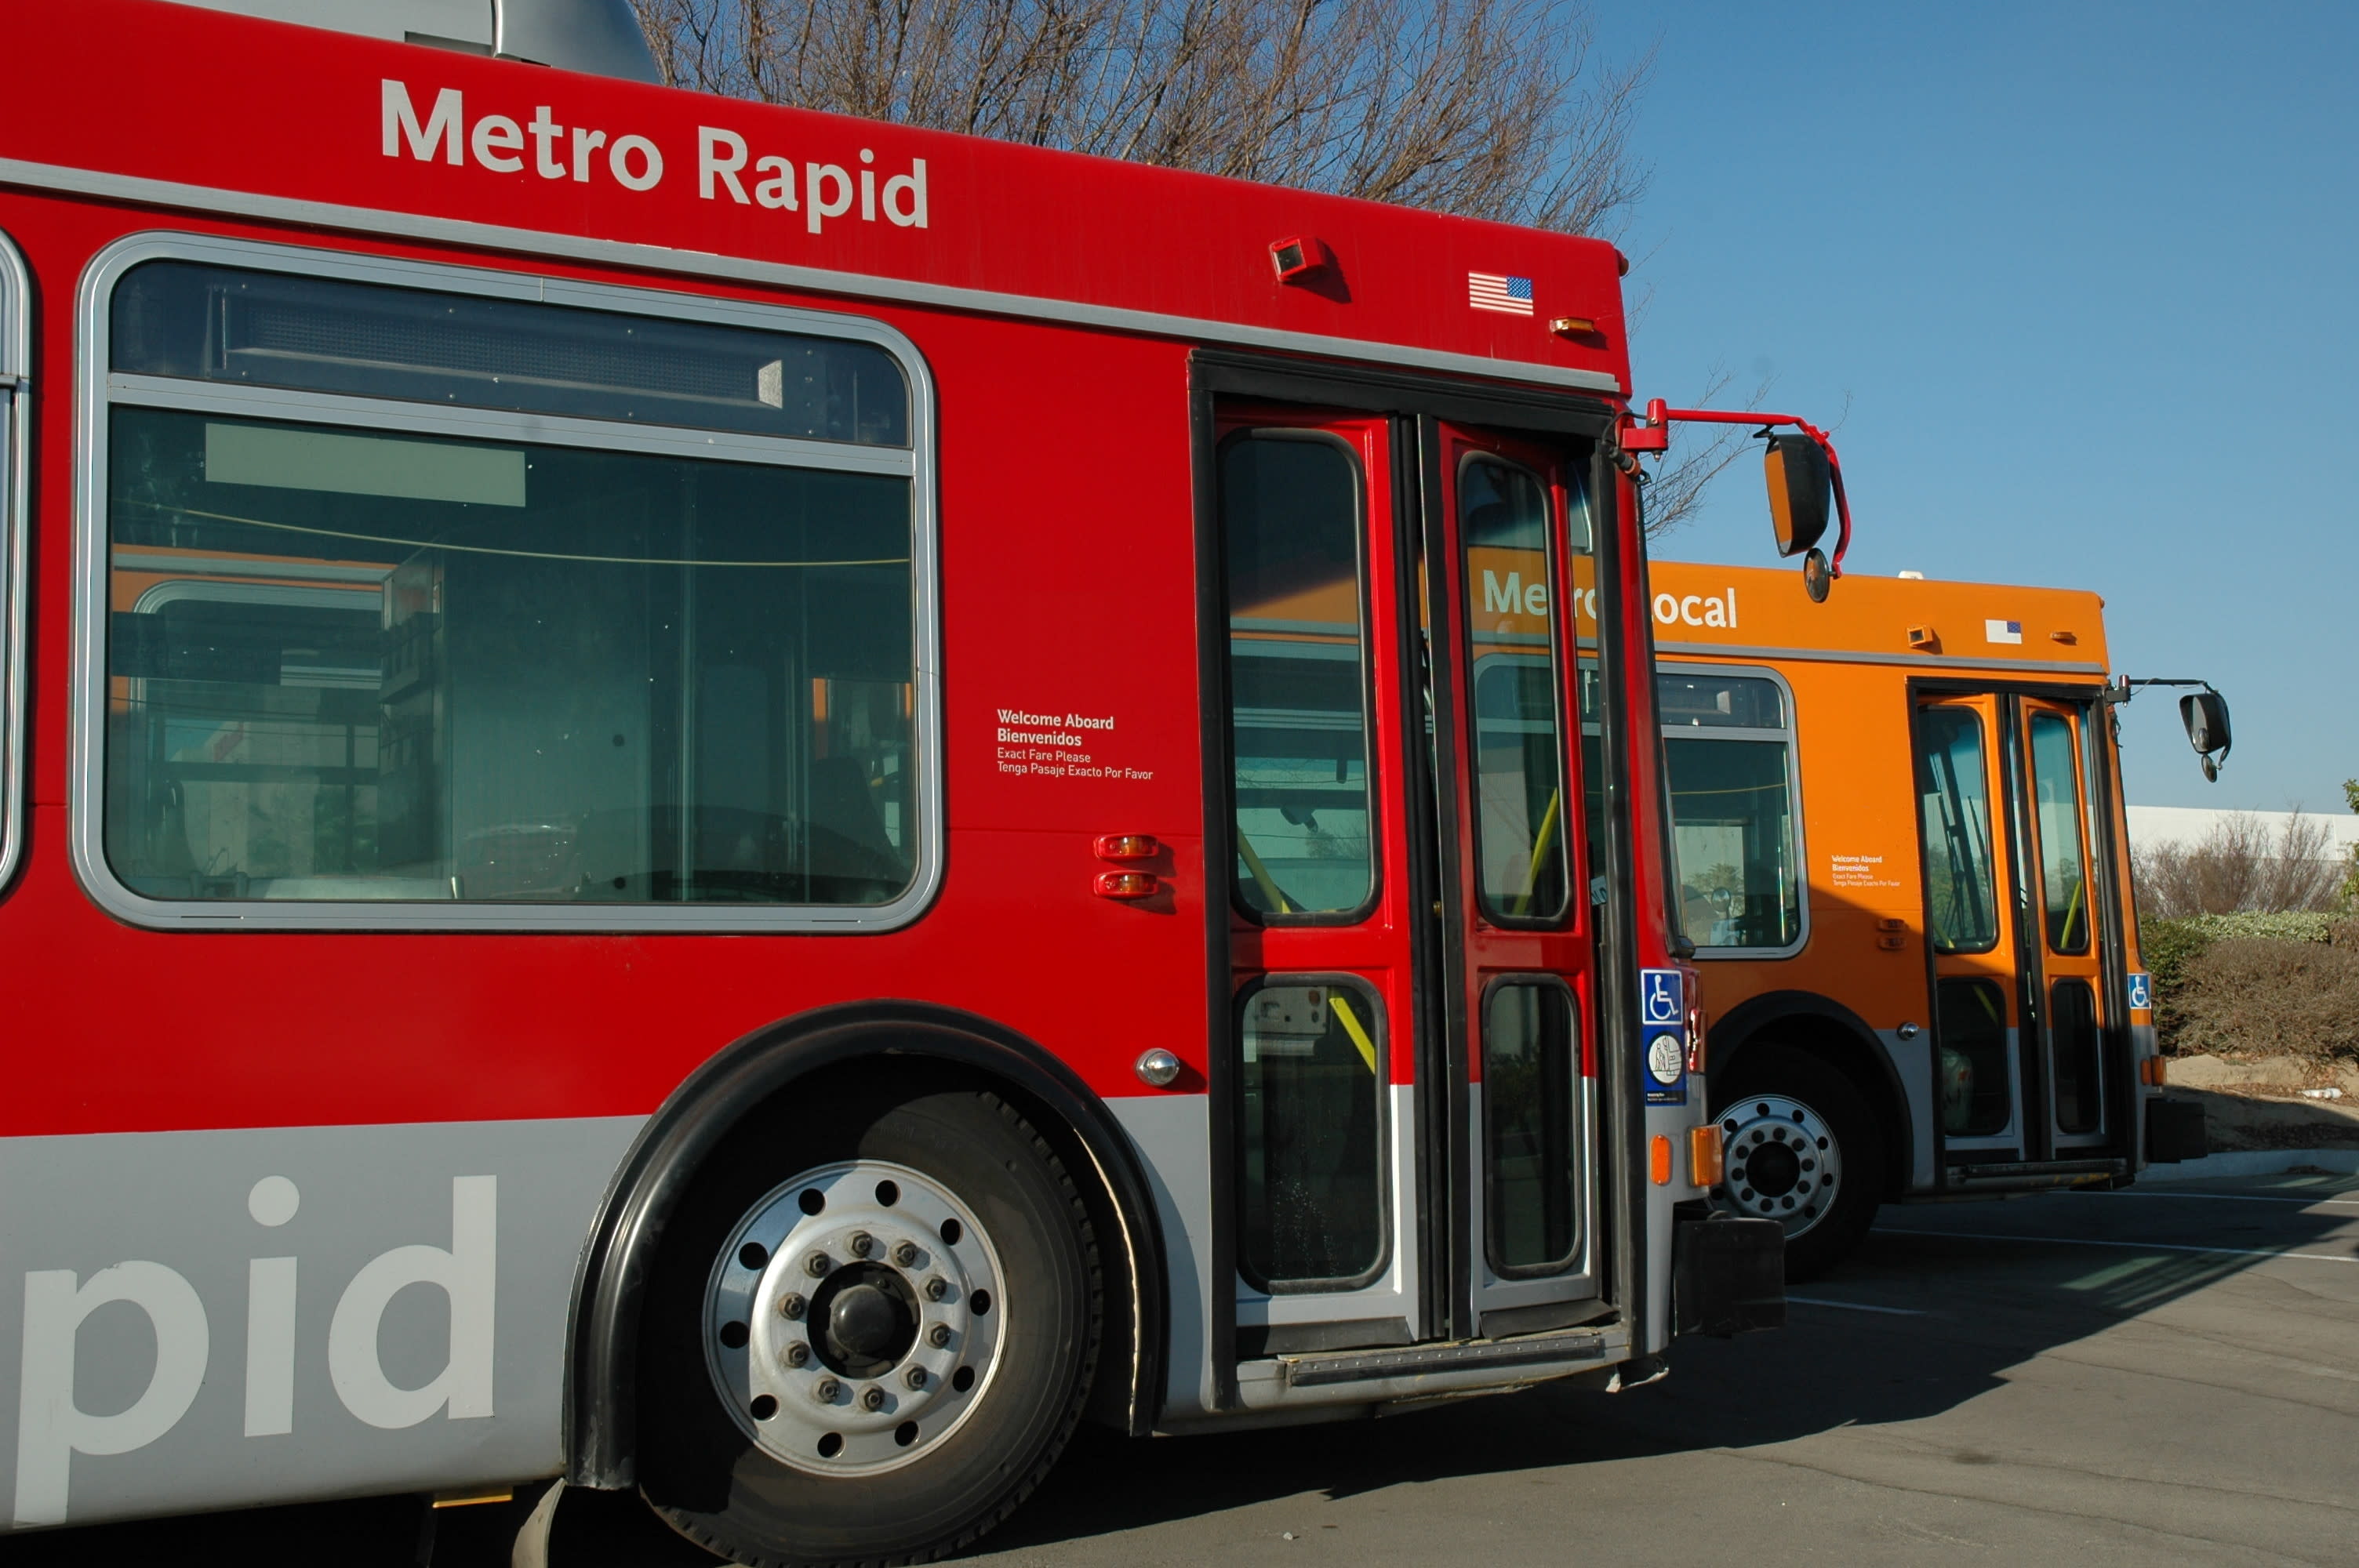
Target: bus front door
<point>2019,1009</point>
<point>1410,1080</point>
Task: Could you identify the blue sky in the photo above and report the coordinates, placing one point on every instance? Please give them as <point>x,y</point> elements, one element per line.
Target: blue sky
<point>2087,277</point>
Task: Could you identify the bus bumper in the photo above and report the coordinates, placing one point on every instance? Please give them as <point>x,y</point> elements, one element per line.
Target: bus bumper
<point>1728,1275</point>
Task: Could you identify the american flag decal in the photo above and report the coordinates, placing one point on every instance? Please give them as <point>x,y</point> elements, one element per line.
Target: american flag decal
<point>1493,291</point>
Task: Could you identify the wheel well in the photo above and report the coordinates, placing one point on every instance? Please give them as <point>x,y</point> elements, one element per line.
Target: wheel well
<point>861,1049</point>
<point>1845,1043</point>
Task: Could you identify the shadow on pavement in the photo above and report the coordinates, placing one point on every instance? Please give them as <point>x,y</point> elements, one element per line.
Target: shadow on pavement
<point>1958,1313</point>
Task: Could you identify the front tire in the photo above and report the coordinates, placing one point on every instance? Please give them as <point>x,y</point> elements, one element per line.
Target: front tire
<point>1803,1148</point>
<point>871,1332</point>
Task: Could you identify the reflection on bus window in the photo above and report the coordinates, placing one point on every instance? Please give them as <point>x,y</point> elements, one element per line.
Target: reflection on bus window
<point>1520,815</point>
<point>1728,748</point>
<point>1290,526</point>
<point>1311,1076</point>
<point>1977,1090</point>
<point>2056,791</point>
<point>245,328</point>
<point>1532,1130</point>
<point>349,666</point>
<point>2074,1055</point>
<point>1953,793</point>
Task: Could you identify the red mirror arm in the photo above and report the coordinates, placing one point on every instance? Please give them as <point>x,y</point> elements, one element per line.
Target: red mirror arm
<point>1655,436</point>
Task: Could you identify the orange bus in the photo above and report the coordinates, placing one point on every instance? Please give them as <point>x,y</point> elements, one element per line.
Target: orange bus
<point>1897,835</point>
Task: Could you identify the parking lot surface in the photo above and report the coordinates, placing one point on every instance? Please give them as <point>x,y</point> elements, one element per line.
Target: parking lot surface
<point>2163,1375</point>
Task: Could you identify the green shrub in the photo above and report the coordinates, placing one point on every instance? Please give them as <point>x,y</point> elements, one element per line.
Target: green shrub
<point>2268,997</point>
<point>2170,946</point>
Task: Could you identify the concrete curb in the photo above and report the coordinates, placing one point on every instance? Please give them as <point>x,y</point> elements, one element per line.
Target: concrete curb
<point>2251,1162</point>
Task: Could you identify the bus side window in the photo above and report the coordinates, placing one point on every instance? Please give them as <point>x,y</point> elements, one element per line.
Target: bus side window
<point>526,648</point>
<point>1728,747</point>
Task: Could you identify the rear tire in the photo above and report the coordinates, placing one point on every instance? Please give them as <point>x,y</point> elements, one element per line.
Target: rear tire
<point>1803,1148</point>
<point>871,1332</point>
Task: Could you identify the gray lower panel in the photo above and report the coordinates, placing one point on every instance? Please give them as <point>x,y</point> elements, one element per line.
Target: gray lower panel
<point>1172,1134</point>
<point>201,1320</point>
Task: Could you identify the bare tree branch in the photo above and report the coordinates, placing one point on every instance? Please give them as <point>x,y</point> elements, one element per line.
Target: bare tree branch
<point>1489,108</point>
<point>2240,866</point>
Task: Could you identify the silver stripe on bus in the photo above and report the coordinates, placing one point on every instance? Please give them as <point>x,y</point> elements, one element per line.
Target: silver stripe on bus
<point>638,257</point>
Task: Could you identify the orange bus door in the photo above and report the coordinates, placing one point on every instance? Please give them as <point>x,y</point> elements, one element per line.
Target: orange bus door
<point>1970,925</point>
<point>2019,1010</point>
<point>2063,951</point>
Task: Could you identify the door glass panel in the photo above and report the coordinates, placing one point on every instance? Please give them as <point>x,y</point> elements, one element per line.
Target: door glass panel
<point>1290,532</point>
<point>1953,789</point>
<point>2056,793</point>
<point>1518,756</point>
<point>1312,1183</point>
<point>2073,1046</point>
<point>1970,1025</point>
<point>1531,1129</point>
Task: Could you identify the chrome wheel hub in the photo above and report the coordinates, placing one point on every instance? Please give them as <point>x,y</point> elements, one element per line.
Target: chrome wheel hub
<point>1782,1161</point>
<point>854,1318</point>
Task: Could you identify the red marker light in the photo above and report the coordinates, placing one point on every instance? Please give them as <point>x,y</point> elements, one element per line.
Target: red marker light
<point>1128,884</point>
<point>1126,846</point>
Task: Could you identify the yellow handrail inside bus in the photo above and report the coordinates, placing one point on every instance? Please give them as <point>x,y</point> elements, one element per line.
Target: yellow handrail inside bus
<point>1351,1022</point>
<point>1541,843</point>
<point>2072,915</point>
<point>1262,879</point>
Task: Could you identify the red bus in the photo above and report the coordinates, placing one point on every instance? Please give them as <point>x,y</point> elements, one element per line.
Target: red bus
<point>759,806</point>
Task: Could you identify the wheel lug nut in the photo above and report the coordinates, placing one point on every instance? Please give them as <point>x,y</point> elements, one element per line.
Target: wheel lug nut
<point>796,1355</point>
<point>937,1287</point>
<point>861,1244</point>
<point>938,1336</point>
<point>792,1306</point>
<point>872,1397</point>
<point>915,1376</point>
<point>905,1253</point>
<point>818,1263</point>
<point>825,1390</point>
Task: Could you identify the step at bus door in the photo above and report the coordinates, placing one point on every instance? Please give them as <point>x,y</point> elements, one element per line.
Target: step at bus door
<point>1402,930</point>
<point>2017,927</point>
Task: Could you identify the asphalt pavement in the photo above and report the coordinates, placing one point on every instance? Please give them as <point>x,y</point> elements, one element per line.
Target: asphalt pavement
<point>2163,1375</point>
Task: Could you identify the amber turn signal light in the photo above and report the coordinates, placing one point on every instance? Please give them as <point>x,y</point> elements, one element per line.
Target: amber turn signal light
<point>1128,884</point>
<point>1658,1159</point>
<point>2153,1072</point>
<point>1704,1155</point>
<point>1126,846</point>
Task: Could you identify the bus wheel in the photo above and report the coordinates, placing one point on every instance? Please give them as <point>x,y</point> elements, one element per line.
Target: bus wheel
<point>875,1360</point>
<point>1801,1149</point>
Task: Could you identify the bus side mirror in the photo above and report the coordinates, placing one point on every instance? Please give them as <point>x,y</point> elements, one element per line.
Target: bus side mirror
<point>2205,714</point>
<point>1801,491</point>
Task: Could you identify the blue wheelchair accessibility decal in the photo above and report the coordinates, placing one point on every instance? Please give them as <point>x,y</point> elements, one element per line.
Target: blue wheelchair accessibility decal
<point>2141,992</point>
<point>1662,1017</point>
